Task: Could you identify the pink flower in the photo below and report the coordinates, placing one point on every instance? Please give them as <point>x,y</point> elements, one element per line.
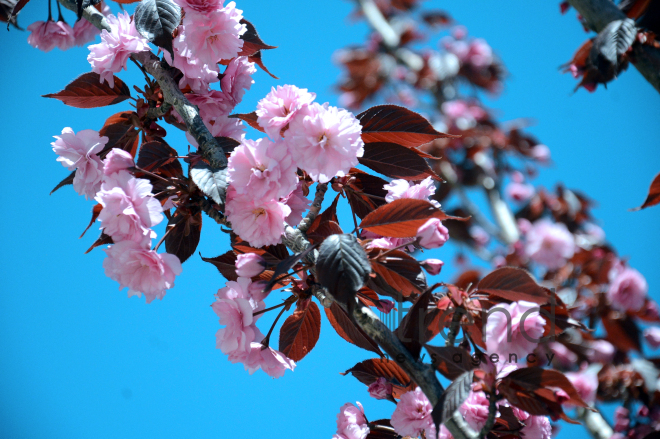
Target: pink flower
<point>432,266</point>
<point>550,244</point>
<point>129,208</point>
<point>46,35</point>
<point>141,270</point>
<point>117,160</point>
<point>475,410</point>
<point>235,306</point>
<point>398,189</point>
<point>563,355</point>
<point>505,319</point>
<point>111,55</point>
<point>298,203</point>
<point>325,141</point>
<point>601,351</point>
<point>258,222</point>
<point>85,32</point>
<point>541,153</point>
<point>536,427</point>
<point>479,235</point>
<point>237,79</point>
<point>413,415</point>
<point>380,389</point>
<point>273,362</point>
<point>276,110</point>
<point>520,192</point>
<point>79,152</point>
<point>262,169</point>
<point>212,104</point>
<point>249,265</point>
<point>462,114</point>
<point>627,290</point>
<point>586,384</point>
<point>652,336</point>
<point>214,35</point>
<point>480,54</point>
<point>200,6</point>
<point>351,423</point>
<point>196,73</point>
<point>621,419</point>
<point>432,234</point>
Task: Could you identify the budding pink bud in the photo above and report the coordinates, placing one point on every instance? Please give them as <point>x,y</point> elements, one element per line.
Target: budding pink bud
<point>432,266</point>
<point>380,389</point>
<point>652,336</point>
<point>249,265</point>
<point>432,234</point>
<point>385,306</point>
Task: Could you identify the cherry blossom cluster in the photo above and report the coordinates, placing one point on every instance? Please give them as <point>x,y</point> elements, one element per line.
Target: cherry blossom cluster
<point>240,339</point>
<point>265,194</point>
<point>129,211</point>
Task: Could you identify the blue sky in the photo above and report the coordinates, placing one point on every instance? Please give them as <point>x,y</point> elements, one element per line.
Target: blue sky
<point>79,359</point>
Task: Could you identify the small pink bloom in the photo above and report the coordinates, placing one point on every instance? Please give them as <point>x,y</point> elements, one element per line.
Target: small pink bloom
<point>536,427</point>
<point>504,319</point>
<point>432,266</point>
<point>351,423</point>
<point>380,389</point>
<point>117,160</point>
<point>258,222</point>
<point>84,32</point>
<point>215,35</point>
<point>652,336</point>
<point>196,73</point>
<point>550,244</point>
<point>276,110</point>
<point>563,355</point>
<point>325,141</point>
<point>621,419</point>
<point>475,410</point>
<point>79,152</point>
<point>237,79</point>
<point>200,6</point>
<point>601,351</point>
<point>141,270</point>
<point>480,236</point>
<point>628,290</point>
<point>111,55</point>
<point>480,54</point>
<point>541,153</point>
<point>520,192</point>
<point>273,362</point>
<point>385,306</point>
<point>413,415</point>
<point>298,203</point>
<point>263,169</point>
<point>249,265</point>
<point>586,384</point>
<point>129,208</point>
<point>212,104</point>
<point>398,189</point>
<point>50,34</point>
<point>432,234</point>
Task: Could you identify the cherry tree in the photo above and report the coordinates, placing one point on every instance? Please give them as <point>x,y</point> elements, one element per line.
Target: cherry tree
<point>551,332</point>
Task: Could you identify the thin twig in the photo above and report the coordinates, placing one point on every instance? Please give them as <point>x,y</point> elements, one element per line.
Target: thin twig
<point>492,411</point>
<point>208,208</point>
<point>315,208</point>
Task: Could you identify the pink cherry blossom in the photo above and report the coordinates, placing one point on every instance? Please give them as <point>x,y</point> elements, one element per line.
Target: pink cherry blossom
<point>258,222</point>
<point>586,384</point>
<point>520,192</point>
<point>111,55</point>
<point>432,234</point>
<point>325,141</point>
<point>462,114</point>
<point>627,290</point>
<point>298,203</point>
<point>129,208</point>
<point>536,427</point>
<point>351,423</point>
<point>197,74</point>
<point>212,104</point>
<point>263,169</point>
<point>273,362</point>
<point>276,110</point>
<point>79,152</point>
<point>117,160</point>
<point>249,265</point>
<point>237,79</point>
<point>563,355</point>
<point>652,336</point>
<point>601,351</point>
<point>215,35</point>
<point>200,6</point>
<point>380,389</point>
<point>85,32</point>
<point>475,410</point>
<point>550,244</point>
<point>398,189</point>
<point>47,35</point>
<point>503,317</point>
<point>142,270</point>
<point>541,153</point>
<point>413,415</point>
<point>479,235</point>
<point>621,419</point>
<point>432,266</point>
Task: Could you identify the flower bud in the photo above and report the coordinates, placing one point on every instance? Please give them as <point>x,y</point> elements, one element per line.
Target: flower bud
<point>249,265</point>
<point>432,266</point>
<point>432,234</point>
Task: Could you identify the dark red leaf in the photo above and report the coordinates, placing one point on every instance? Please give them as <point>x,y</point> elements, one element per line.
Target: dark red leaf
<point>301,330</point>
<point>87,91</point>
<point>17,9</point>
<point>96,211</point>
<point>622,332</point>
<point>412,329</point>
<point>653,197</point>
<point>396,161</point>
<point>450,361</point>
<point>102,240</point>
<point>251,41</point>
<point>347,330</point>
<point>250,119</point>
<point>365,192</point>
<point>369,371</point>
<point>225,263</point>
<point>68,180</point>
<point>391,123</point>
<point>183,232</point>
<point>160,158</point>
<point>256,58</point>
<point>398,275</point>
<point>514,284</point>
<point>121,133</point>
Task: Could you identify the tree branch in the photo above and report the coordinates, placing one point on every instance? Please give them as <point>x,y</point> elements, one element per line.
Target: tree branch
<point>315,208</point>
<point>208,208</point>
<point>595,424</point>
<point>208,146</point>
<point>598,14</point>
